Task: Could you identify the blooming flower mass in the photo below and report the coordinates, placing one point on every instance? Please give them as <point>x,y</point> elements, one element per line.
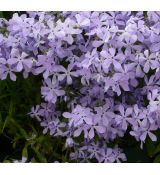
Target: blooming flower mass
<point>101,68</point>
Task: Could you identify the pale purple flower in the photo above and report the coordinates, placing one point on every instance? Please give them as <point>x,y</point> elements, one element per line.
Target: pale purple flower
<point>53,125</point>
<point>50,91</point>
<point>123,118</point>
<point>45,65</point>
<point>137,117</point>
<point>147,131</point>
<point>7,70</point>
<point>96,126</point>
<point>20,60</point>
<point>150,61</point>
<point>111,58</point>
<point>119,156</point>
<point>107,155</point>
<point>154,100</point>
<point>66,73</point>
<point>82,20</point>
<point>80,115</point>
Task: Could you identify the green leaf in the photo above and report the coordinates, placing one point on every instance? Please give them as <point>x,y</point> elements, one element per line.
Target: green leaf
<point>150,147</point>
<point>9,116</point>
<point>157,150</point>
<point>40,156</point>
<point>25,151</point>
<point>1,14</point>
<point>6,161</point>
<point>21,130</point>
<point>157,159</point>
<point>1,123</point>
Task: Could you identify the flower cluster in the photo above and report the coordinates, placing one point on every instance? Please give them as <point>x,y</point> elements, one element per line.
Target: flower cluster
<point>100,75</point>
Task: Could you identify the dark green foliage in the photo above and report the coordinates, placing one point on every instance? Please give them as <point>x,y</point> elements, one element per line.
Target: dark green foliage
<point>8,14</point>
<point>20,134</point>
